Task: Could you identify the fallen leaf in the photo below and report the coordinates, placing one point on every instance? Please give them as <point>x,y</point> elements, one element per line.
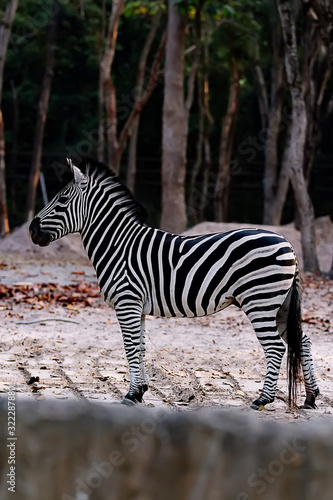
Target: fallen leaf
<point>36,388</point>
<point>23,283</point>
<point>72,308</point>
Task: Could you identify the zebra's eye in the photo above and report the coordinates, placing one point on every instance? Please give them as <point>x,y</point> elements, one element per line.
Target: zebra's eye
<point>63,199</point>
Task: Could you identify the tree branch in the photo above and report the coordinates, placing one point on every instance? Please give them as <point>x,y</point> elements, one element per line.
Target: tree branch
<point>111,38</point>
<point>139,105</point>
<point>322,13</point>
<point>106,89</point>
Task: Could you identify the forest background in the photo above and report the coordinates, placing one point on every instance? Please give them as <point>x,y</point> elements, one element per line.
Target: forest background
<point>207,110</point>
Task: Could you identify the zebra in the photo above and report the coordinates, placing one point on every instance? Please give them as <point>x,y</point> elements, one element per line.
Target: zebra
<point>143,270</point>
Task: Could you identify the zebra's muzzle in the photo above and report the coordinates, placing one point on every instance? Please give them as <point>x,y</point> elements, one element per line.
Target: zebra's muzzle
<point>38,236</point>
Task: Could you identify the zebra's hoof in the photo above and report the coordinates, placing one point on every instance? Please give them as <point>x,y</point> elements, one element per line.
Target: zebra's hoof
<point>309,407</point>
<point>127,402</point>
<point>310,401</point>
<point>257,406</point>
<point>133,399</point>
<point>309,404</point>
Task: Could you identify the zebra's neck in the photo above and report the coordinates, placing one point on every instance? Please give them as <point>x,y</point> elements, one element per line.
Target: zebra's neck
<point>109,228</point>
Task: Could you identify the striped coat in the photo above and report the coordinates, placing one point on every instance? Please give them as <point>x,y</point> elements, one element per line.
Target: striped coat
<point>142,270</point>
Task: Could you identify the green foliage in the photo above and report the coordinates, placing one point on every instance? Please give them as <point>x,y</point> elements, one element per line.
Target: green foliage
<point>142,8</point>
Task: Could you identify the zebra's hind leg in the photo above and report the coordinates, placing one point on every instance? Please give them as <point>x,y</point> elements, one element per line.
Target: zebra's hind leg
<point>132,329</point>
<point>274,349</point>
<point>311,386</point>
<point>289,322</point>
<point>265,326</point>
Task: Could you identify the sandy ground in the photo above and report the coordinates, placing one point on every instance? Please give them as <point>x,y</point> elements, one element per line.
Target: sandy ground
<point>77,352</point>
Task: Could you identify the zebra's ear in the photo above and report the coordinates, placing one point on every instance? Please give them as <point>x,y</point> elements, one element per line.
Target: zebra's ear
<point>78,175</point>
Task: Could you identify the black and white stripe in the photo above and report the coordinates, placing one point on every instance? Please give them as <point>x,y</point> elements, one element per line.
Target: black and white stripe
<point>142,270</point>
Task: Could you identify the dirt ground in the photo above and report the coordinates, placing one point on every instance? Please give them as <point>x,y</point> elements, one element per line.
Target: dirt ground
<point>74,349</point>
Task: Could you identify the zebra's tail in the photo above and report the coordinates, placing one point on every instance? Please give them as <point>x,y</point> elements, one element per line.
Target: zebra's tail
<point>294,339</point>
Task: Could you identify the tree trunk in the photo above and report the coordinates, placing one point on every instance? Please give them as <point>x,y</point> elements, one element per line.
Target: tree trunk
<point>262,94</point>
<point>107,97</point>
<point>174,126</point>
<point>314,120</point>
<point>5,30</point>
<point>131,168</point>
<point>42,115</point>
<point>322,12</point>
<point>207,194</point>
<point>275,209</point>
<point>111,121</point>
<point>298,137</point>
<point>101,124</point>
<point>316,74</point>
<point>139,105</point>
<point>275,187</point>
<point>330,274</point>
<point>4,224</point>
<point>107,94</point>
<point>207,162</point>
<point>195,194</point>
<point>275,181</point>
<point>199,196</point>
<point>15,134</point>
<point>226,147</point>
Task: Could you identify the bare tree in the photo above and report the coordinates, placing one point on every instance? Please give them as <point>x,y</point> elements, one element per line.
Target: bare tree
<point>174,125</point>
<point>276,180</point>
<point>226,146</point>
<point>316,73</point>
<point>194,194</point>
<point>107,96</point>
<point>208,123</point>
<point>314,76</point>
<point>198,194</point>
<point>5,31</point>
<point>197,197</point>
<point>14,151</point>
<point>139,105</point>
<point>322,13</point>
<point>42,115</point>
<point>139,89</point>
<point>298,137</point>
<point>116,142</point>
<point>176,110</point>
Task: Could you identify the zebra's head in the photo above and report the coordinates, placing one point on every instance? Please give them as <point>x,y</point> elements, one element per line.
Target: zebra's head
<point>64,214</point>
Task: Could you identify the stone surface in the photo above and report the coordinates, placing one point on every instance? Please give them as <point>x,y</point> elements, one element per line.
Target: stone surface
<point>72,451</point>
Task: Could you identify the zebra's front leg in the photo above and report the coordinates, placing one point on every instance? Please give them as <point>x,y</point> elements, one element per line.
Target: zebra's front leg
<point>131,328</point>
<point>310,382</point>
<point>274,349</point>
<point>142,355</point>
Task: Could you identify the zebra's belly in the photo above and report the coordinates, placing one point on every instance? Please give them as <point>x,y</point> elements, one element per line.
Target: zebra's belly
<point>186,312</point>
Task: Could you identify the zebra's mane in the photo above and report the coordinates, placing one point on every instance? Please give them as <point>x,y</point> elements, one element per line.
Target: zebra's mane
<point>89,166</point>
